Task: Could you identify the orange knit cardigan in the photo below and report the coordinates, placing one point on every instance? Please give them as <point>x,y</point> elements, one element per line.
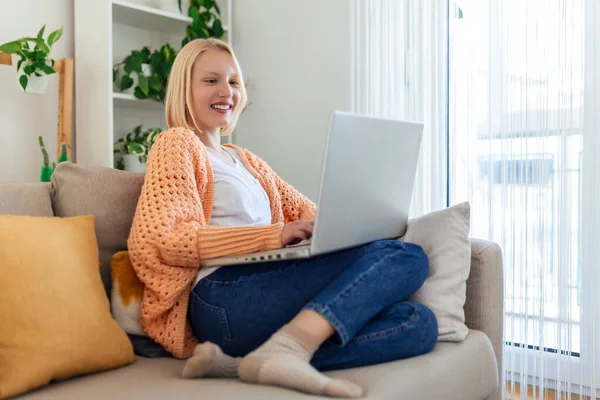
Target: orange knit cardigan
<point>170,235</point>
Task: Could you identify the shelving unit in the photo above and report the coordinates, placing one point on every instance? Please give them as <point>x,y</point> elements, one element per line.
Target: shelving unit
<point>130,101</point>
<point>150,18</point>
<point>105,33</point>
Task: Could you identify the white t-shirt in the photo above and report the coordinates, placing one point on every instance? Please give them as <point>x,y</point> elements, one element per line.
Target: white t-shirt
<point>239,200</point>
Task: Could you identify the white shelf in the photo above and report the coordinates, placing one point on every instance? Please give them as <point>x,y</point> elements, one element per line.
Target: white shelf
<point>130,101</point>
<point>144,17</point>
<point>115,27</point>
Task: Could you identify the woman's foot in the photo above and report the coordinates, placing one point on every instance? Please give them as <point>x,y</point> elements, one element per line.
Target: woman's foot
<point>284,360</point>
<point>210,361</point>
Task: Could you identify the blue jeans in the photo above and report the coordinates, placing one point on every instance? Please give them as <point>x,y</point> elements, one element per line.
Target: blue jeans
<point>361,291</point>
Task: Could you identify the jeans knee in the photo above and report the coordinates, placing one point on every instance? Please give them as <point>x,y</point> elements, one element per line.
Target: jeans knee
<point>415,258</point>
<point>407,259</point>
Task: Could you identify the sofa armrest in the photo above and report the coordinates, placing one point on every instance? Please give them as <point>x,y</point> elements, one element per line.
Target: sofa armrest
<point>484,306</point>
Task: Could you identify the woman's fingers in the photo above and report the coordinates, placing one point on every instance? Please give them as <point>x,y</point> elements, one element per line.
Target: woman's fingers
<point>297,230</point>
<point>306,230</point>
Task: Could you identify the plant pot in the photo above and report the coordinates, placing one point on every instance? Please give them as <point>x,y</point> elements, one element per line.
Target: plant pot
<point>172,7</point>
<point>146,71</point>
<point>133,164</point>
<point>35,84</point>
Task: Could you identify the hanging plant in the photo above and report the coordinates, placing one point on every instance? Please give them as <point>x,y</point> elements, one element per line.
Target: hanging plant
<point>206,20</point>
<point>33,62</point>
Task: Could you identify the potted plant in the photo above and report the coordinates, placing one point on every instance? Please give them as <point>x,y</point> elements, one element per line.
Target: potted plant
<point>132,150</point>
<point>47,168</point>
<point>34,65</point>
<point>161,62</point>
<point>145,73</point>
<point>206,20</point>
<point>133,71</point>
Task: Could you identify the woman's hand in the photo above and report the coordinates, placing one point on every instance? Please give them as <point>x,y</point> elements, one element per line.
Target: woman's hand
<point>296,231</point>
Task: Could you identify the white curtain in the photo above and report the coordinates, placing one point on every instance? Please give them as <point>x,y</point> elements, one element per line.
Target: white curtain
<point>512,115</point>
<point>399,71</point>
<point>523,119</point>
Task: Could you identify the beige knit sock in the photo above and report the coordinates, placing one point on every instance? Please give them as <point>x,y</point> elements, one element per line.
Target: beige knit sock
<point>209,361</point>
<point>284,360</point>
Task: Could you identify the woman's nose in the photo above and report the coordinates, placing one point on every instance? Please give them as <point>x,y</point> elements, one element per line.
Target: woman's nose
<point>225,90</point>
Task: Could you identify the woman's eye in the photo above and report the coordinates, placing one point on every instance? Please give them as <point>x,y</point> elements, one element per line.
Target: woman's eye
<point>211,80</point>
<point>234,83</point>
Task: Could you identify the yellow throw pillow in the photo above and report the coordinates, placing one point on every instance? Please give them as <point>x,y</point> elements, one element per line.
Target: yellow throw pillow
<point>54,314</point>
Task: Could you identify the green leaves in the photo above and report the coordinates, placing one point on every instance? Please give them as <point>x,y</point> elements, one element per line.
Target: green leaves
<point>40,45</point>
<point>155,84</point>
<point>126,82</point>
<point>134,65</point>
<point>152,135</point>
<point>41,32</point>
<point>48,70</point>
<point>133,62</point>
<point>218,30</point>
<point>142,90</point>
<point>137,142</point>
<point>152,82</point>
<point>54,36</point>
<point>206,21</point>
<point>36,61</point>
<point>23,81</point>
<point>197,24</point>
<point>10,47</point>
<point>135,135</point>
<point>136,148</point>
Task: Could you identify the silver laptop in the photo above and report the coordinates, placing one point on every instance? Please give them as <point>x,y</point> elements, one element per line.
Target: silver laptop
<point>365,190</point>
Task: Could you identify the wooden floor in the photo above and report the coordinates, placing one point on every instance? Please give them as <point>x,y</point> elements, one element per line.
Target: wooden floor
<point>549,394</point>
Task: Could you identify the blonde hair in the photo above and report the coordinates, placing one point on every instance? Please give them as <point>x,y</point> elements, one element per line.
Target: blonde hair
<point>179,94</point>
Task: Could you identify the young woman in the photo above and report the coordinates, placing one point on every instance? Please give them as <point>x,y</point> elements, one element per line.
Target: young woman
<point>276,323</point>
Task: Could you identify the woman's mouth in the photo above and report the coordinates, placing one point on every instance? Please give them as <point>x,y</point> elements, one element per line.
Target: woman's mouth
<point>221,108</point>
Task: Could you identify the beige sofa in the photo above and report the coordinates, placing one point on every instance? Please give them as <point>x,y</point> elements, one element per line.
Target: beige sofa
<point>461,371</point>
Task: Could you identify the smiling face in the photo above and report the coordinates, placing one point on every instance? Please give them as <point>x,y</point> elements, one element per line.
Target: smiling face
<point>215,90</point>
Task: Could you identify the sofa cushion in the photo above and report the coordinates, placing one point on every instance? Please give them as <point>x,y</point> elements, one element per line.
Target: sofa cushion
<point>54,315</point>
<point>452,371</point>
<point>25,199</point>
<point>444,236</point>
<point>109,194</point>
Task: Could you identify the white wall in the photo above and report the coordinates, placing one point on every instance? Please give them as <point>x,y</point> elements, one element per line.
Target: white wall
<point>297,60</point>
<point>26,116</point>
